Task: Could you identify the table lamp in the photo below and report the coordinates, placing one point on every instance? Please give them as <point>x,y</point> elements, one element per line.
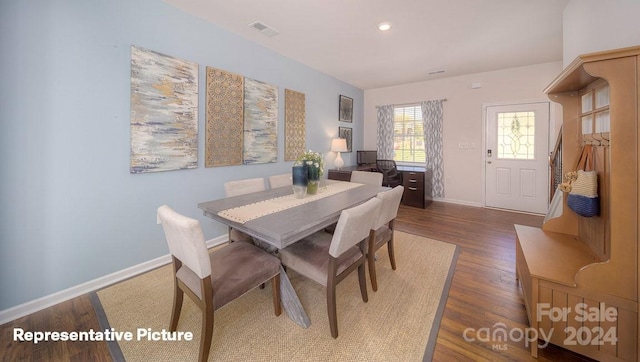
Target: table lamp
<point>338,145</point>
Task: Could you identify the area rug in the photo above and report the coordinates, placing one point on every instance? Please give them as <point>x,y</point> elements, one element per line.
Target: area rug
<point>399,323</point>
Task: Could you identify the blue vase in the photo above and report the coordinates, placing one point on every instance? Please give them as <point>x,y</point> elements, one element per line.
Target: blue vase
<point>300,178</point>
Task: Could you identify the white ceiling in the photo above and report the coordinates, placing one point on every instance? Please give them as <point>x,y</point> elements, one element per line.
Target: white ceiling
<point>340,37</point>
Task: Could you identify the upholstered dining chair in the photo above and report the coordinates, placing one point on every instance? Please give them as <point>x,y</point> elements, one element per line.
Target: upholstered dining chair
<point>390,175</point>
<point>327,259</point>
<point>214,279</point>
<point>242,187</point>
<point>382,230</point>
<point>366,177</point>
<point>361,177</point>
<point>280,180</point>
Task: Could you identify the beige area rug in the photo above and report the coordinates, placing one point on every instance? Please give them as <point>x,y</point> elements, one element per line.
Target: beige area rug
<point>399,323</point>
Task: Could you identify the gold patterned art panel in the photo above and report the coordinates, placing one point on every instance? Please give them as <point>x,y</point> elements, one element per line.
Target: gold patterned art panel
<point>225,118</point>
<point>294,124</point>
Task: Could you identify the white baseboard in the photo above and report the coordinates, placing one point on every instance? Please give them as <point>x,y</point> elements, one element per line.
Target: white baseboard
<point>458,202</point>
<point>47,301</point>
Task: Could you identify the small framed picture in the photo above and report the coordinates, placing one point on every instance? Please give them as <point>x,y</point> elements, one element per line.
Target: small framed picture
<point>345,132</point>
<point>346,109</point>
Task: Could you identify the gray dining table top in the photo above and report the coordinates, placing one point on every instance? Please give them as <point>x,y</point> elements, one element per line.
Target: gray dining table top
<point>285,227</point>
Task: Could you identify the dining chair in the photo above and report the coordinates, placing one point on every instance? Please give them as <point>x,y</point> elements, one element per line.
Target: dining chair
<point>327,259</point>
<point>382,230</point>
<point>280,180</point>
<point>390,175</point>
<point>242,187</point>
<point>362,177</point>
<point>366,177</point>
<point>213,279</point>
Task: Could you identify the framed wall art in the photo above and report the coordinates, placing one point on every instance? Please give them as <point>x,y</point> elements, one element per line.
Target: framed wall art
<point>345,109</point>
<point>345,132</point>
<point>164,112</point>
<point>294,124</point>
<point>224,138</point>
<point>260,122</point>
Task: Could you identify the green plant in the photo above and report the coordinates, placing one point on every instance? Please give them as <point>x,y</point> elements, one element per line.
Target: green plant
<point>312,159</point>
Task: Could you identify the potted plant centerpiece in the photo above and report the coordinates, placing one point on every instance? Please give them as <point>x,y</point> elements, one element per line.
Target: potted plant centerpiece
<point>315,168</point>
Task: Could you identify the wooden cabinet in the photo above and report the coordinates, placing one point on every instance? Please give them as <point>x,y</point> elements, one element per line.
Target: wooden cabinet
<point>416,182</point>
<point>340,175</point>
<point>579,275</point>
<point>417,188</point>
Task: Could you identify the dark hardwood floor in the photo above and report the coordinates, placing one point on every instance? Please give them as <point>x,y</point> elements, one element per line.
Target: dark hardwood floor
<point>483,292</point>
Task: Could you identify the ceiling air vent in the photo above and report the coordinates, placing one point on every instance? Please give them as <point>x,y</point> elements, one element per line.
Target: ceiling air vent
<point>264,28</point>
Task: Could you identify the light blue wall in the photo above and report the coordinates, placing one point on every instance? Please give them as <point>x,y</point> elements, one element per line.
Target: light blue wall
<point>70,211</point>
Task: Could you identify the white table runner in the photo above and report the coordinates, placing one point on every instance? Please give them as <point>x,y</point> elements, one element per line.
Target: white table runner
<point>245,213</point>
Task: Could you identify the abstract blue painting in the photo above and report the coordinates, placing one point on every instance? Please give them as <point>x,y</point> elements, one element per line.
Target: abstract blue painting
<point>260,122</point>
<point>164,112</point>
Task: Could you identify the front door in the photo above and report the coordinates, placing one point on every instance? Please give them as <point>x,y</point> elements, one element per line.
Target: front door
<point>516,160</point>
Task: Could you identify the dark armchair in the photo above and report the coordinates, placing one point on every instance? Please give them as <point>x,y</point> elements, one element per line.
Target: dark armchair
<point>390,175</point>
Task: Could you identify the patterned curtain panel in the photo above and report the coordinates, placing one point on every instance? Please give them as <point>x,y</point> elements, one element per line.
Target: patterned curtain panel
<point>385,132</point>
<point>432,117</point>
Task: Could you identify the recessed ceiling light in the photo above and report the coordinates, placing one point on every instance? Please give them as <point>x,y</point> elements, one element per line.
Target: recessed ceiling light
<point>384,26</point>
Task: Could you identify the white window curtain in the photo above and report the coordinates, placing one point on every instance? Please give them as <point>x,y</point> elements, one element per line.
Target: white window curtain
<point>432,118</point>
<point>385,132</point>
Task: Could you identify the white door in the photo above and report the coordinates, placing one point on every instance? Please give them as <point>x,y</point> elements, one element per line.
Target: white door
<point>516,157</point>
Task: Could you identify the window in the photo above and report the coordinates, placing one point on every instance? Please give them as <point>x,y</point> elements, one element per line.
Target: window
<point>408,134</point>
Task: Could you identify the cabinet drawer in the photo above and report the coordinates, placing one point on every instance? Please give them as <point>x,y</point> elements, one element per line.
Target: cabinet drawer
<point>339,175</point>
<point>412,181</point>
<point>413,196</point>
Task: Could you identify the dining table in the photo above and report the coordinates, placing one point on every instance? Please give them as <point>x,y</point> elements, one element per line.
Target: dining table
<point>276,218</point>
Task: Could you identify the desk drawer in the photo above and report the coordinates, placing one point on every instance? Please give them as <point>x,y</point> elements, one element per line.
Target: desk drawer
<point>339,175</point>
<point>413,180</point>
<point>413,196</point>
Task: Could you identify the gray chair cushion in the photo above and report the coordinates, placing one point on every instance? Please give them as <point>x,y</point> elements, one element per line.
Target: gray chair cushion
<point>310,257</point>
<point>236,268</point>
<point>383,234</point>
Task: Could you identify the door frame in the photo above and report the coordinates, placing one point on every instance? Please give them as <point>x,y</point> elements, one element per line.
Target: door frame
<point>551,130</point>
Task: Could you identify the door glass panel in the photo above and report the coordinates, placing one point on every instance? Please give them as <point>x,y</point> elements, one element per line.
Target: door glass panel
<point>516,134</point>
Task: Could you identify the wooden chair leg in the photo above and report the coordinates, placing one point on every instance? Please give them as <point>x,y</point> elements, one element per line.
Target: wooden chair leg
<point>178,297</point>
<point>362,278</point>
<point>331,310</point>
<point>206,335</point>
<point>275,290</point>
<point>207,319</point>
<point>392,257</point>
<point>372,271</point>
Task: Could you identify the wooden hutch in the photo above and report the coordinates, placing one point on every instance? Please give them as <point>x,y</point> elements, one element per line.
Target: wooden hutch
<point>588,267</point>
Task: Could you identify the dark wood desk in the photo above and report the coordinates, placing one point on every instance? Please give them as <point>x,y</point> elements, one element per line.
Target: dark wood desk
<point>416,182</point>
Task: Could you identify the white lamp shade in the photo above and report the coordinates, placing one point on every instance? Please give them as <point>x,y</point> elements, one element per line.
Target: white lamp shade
<point>339,145</point>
